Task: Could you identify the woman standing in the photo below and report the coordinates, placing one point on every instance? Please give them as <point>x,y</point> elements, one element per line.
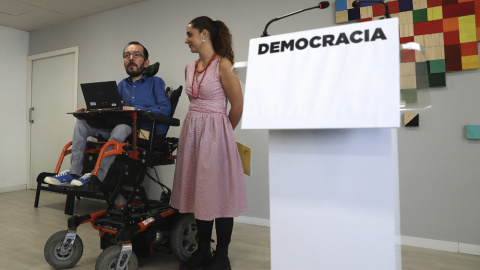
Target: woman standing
<point>209,180</point>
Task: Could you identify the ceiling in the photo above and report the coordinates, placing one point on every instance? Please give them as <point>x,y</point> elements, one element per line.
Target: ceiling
<point>29,15</point>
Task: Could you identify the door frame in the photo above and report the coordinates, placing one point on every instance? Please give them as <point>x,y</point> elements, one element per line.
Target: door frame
<point>31,183</point>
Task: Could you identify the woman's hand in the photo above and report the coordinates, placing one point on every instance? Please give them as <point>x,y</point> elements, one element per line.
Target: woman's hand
<point>81,109</point>
<point>233,91</point>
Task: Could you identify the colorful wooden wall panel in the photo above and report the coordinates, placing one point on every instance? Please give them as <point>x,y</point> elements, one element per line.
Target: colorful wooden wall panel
<point>411,119</point>
<point>448,29</point>
<point>472,132</point>
<point>409,95</point>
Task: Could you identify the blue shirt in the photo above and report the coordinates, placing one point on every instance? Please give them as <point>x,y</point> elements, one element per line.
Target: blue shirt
<point>147,93</point>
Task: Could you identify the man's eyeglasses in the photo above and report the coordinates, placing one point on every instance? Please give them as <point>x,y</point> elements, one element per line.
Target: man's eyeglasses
<point>135,55</point>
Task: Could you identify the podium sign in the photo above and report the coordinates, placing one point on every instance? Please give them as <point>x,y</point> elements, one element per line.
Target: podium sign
<point>338,77</point>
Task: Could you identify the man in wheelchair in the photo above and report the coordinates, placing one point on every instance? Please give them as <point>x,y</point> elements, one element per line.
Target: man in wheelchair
<point>138,226</point>
<point>139,92</point>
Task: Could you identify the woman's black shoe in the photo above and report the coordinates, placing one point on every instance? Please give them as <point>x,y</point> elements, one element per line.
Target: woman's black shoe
<point>220,259</point>
<point>199,259</point>
<point>220,263</point>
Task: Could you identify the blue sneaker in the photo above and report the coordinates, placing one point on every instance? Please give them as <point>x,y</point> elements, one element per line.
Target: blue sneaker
<point>62,179</point>
<point>82,180</point>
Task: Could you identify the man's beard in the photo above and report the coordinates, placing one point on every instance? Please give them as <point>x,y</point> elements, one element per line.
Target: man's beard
<point>135,73</point>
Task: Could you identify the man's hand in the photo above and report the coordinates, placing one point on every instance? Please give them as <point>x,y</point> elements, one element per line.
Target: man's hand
<point>81,109</point>
<point>128,108</point>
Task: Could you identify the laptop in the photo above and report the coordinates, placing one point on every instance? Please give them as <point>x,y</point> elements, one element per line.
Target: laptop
<point>101,96</point>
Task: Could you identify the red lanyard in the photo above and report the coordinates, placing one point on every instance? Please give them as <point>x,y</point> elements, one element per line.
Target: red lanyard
<point>205,69</point>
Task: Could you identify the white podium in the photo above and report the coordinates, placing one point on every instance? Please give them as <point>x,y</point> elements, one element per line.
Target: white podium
<point>333,153</point>
<point>334,199</point>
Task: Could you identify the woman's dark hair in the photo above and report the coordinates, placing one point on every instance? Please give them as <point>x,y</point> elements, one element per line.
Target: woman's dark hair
<point>219,35</point>
<point>145,51</point>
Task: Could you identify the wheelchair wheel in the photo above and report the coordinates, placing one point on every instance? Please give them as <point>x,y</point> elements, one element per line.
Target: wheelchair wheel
<point>183,240</point>
<point>56,258</point>
<point>108,259</point>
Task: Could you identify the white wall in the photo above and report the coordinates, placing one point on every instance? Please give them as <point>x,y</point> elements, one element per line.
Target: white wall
<point>439,170</point>
<point>13,108</point>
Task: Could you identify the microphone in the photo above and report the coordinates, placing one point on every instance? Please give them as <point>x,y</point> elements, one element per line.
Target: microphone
<point>356,4</point>
<point>321,5</point>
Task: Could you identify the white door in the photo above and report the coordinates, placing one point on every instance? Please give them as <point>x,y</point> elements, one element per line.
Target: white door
<point>53,93</point>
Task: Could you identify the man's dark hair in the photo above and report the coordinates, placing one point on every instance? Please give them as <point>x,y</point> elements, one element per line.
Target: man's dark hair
<point>145,51</point>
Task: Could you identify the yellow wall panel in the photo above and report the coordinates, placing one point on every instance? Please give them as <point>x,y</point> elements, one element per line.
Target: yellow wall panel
<point>470,62</point>
<point>467,29</point>
<point>435,13</point>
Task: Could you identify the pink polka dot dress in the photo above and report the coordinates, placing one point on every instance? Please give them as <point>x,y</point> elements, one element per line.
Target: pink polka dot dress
<point>209,180</point>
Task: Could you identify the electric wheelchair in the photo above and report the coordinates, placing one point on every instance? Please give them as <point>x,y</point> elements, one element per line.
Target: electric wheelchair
<point>140,226</point>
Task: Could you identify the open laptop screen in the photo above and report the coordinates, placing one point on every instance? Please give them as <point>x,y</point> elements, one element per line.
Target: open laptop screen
<point>101,96</point>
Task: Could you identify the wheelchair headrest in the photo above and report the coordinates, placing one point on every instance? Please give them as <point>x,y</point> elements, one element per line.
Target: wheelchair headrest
<point>151,70</point>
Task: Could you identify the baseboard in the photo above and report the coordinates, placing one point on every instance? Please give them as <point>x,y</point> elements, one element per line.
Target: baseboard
<point>14,188</point>
<point>253,221</point>
<point>441,245</point>
<point>468,249</point>
<point>405,240</point>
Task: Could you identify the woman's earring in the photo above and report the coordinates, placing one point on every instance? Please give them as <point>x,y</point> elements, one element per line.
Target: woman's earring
<point>203,40</point>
